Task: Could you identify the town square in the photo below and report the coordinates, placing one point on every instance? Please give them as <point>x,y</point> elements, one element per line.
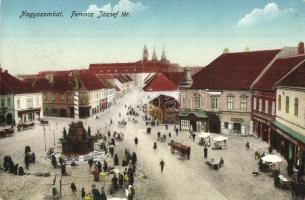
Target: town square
<point>144,107</point>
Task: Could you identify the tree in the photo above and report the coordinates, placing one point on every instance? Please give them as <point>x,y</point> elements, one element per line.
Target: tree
<point>226,50</point>
<point>247,49</point>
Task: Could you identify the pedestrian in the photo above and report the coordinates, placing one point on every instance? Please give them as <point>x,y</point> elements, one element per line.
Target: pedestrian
<point>114,182</point>
<point>134,158</point>
<point>109,134</point>
<point>99,166</point>
<point>247,145</point>
<point>27,161</point>
<point>20,171</point>
<point>73,187</point>
<point>63,170</point>
<point>169,134</point>
<point>136,140</point>
<point>121,180</point>
<point>155,146</point>
<point>90,162</point>
<point>131,192</point>
<point>103,194</point>
<point>105,166</point>
<point>162,164</point>
<point>96,194</point>
<point>188,152</point>
<point>88,196</point>
<point>159,135</point>
<point>270,149</point>
<point>193,135</point>
<point>205,152</point>
<point>33,158</point>
<point>54,162</point>
<point>116,160</point>
<point>166,126</point>
<point>83,193</point>
<point>111,150</point>
<point>177,131</point>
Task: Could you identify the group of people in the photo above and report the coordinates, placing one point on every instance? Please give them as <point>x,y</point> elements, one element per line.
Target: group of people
<point>9,166</point>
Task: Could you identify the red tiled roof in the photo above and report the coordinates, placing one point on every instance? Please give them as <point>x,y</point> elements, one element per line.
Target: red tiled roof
<point>233,71</point>
<point>168,81</point>
<point>295,78</point>
<point>276,71</point>
<point>10,85</point>
<point>91,82</point>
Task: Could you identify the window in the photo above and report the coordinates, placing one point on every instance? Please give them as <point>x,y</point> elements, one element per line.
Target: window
<point>230,101</point>
<point>197,100</point>
<point>37,101</point>
<point>243,104</point>
<point>226,125</point>
<point>273,108</point>
<point>29,102</point>
<point>287,104</point>
<point>45,98</point>
<point>8,102</point>
<point>254,103</point>
<point>260,106</point>
<point>62,98</point>
<point>296,107</point>
<point>2,102</point>
<point>214,102</point>
<point>53,98</point>
<point>279,99</point>
<point>18,103</point>
<point>266,106</point>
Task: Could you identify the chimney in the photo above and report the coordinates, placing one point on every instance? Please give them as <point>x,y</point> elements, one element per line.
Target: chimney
<point>49,77</point>
<point>301,48</point>
<point>5,71</point>
<point>186,80</point>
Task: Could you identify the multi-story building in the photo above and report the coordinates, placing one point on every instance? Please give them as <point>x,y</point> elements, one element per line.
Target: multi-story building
<point>18,103</point>
<point>219,99</point>
<point>160,96</point>
<point>289,125</point>
<point>58,94</point>
<point>264,93</point>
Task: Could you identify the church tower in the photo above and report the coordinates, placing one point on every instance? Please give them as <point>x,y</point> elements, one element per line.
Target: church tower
<point>154,56</point>
<point>145,54</point>
<point>163,57</point>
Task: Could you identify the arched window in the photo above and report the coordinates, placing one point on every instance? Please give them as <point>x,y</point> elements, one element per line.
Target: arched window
<point>197,100</point>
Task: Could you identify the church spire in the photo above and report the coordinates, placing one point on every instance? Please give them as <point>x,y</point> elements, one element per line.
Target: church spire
<point>145,54</point>
<point>154,56</point>
<point>163,57</point>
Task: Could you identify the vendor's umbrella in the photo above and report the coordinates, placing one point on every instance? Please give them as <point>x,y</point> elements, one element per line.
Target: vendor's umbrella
<point>271,158</point>
<point>220,138</point>
<point>204,135</point>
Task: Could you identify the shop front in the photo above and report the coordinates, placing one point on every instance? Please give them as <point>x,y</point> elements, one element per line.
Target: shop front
<point>290,143</point>
<point>193,121</point>
<point>28,115</point>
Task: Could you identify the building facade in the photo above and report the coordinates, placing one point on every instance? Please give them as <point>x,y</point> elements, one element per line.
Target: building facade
<point>219,99</point>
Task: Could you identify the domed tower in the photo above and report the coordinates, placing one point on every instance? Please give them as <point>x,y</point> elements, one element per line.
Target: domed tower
<point>154,56</point>
<point>186,81</point>
<point>145,54</point>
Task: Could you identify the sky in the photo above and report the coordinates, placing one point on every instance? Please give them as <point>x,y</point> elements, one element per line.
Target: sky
<point>193,32</point>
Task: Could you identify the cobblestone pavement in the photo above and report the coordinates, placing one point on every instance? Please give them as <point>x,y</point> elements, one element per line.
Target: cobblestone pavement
<point>181,179</point>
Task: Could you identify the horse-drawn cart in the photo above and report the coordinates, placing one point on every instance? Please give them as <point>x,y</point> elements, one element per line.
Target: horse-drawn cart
<point>26,125</point>
<point>6,131</point>
<point>182,148</point>
<point>43,121</point>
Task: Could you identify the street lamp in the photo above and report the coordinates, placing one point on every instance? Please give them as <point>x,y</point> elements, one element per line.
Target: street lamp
<point>45,142</point>
<point>54,137</point>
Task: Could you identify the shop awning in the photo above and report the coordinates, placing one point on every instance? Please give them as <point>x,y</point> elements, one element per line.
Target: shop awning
<point>197,113</point>
<point>290,131</point>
